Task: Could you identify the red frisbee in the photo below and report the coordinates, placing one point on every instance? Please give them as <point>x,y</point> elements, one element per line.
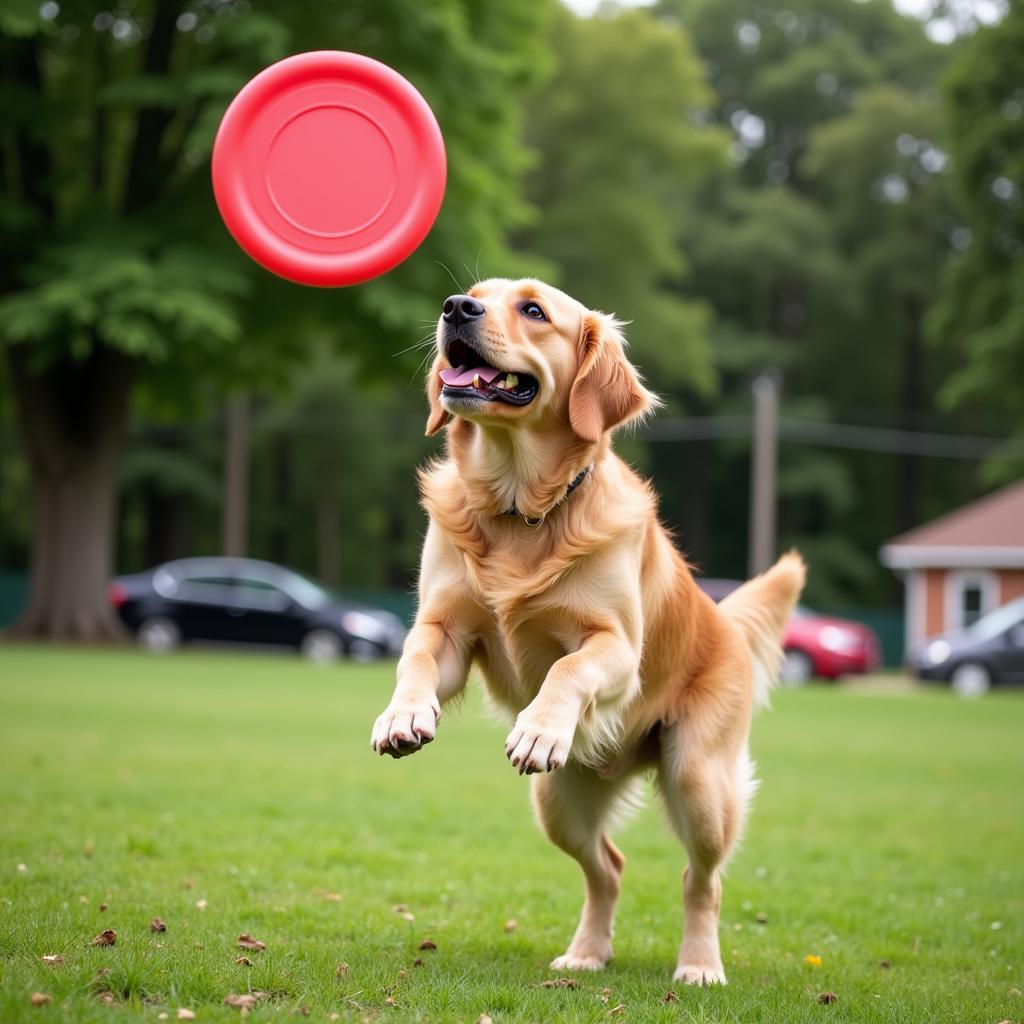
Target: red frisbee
<point>329,168</point>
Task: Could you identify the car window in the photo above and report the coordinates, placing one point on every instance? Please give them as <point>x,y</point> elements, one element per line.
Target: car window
<point>260,594</point>
<point>999,621</point>
<point>204,590</point>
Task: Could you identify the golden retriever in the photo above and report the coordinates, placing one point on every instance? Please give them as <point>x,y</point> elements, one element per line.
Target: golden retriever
<point>545,565</point>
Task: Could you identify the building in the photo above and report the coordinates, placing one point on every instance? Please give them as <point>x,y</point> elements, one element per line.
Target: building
<point>962,565</point>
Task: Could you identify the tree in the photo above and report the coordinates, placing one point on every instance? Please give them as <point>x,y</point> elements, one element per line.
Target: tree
<point>115,272</point>
<point>978,313</point>
<point>820,253</point>
<point>620,140</point>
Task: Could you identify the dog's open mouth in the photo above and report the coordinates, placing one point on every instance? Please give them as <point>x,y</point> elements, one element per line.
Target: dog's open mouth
<point>472,377</point>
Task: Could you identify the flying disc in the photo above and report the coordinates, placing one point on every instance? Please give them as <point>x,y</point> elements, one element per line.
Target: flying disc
<point>329,168</point>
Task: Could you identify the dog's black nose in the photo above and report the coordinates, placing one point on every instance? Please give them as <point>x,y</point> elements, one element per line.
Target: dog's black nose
<point>458,309</point>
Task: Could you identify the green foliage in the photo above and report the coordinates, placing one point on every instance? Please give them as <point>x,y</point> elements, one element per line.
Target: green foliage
<point>621,145</point>
<point>124,247</point>
<point>980,314</point>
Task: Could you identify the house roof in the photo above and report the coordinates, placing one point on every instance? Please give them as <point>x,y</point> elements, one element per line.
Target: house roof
<point>987,533</point>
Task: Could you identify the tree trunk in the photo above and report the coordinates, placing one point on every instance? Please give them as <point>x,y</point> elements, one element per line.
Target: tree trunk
<point>72,419</point>
<point>328,548</point>
<point>235,541</point>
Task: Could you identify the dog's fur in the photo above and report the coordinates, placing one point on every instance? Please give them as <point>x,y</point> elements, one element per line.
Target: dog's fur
<point>587,627</point>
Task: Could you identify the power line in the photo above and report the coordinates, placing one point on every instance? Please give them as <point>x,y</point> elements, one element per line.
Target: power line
<point>840,435</point>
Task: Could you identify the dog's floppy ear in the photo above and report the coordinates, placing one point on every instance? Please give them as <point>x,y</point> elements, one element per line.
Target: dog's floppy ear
<point>439,416</point>
<point>607,391</point>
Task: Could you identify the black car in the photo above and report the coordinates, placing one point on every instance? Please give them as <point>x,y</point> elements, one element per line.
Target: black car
<point>241,600</point>
<point>972,659</point>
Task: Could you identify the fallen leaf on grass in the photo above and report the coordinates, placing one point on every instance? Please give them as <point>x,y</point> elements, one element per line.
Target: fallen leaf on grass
<point>52,959</point>
<point>484,1018</point>
<point>40,999</point>
<point>827,997</point>
<point>511,925</point>
<point>617,1010</point>
<point>105,938</point>
<point>333,897</point>
<point>670,997</point>
<point>341,971</point>
<point>246,941</point>
<point>402,910</point>
<point>761,918</point>
<point>305,1010</point>
<point>22,869</point>
<point>184,1014</point>
<point>107,998</point>
<point>428,944</point>
<point>157,925</point>
<point>812,960</point>
<point>560,983</point>
<point>244,961</point>
<point>163,1016</point>
<point>246,1001</point>
<point>390,1001</point>
<point>334,1016</point>
<point>201,904</point>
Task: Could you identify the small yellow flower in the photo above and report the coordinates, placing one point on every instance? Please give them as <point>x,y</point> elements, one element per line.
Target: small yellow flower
<point>814,961</point>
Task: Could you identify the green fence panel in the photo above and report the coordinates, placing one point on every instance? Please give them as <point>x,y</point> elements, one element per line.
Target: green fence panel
<point>13,592</point>
<point>888,623</point>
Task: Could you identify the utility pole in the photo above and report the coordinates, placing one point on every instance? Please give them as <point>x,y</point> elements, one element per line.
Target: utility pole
<point>236,476</point>
<point>763,471</point>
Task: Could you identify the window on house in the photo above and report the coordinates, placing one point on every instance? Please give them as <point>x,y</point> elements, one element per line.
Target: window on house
<point>970,594</point>
<point>971,599</point>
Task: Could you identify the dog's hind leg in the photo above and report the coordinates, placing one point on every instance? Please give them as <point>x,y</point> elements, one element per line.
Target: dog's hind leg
<point>706,799</point>
<point>573,806</point>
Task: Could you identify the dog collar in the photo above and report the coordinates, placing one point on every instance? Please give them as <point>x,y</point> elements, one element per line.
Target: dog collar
<point>537,520</point>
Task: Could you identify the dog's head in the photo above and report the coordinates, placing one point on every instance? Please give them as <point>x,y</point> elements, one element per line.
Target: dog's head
<point>522,352</point>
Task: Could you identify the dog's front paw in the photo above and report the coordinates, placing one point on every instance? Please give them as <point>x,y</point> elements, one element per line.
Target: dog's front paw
<point>537,746</point>
<point>405,727</point>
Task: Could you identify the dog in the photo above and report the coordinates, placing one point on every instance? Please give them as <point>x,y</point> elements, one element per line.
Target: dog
<point>545,566</point>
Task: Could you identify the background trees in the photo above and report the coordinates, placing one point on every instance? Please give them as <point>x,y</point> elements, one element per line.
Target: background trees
<point>115,273</point>
<point>979,316</point>
<point>810,185</point>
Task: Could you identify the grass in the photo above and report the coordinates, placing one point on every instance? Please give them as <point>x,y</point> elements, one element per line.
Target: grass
<point>888,828</point>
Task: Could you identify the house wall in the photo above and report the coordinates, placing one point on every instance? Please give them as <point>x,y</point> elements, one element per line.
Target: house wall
<point>934,601</point>
<point>1011,585</point>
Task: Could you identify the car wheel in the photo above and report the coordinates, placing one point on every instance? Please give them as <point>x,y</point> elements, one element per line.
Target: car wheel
<point>797,669</point>
<point>363,650</point>
<point>158,635</point>
<point>971,679</point>
<point>321,646</point>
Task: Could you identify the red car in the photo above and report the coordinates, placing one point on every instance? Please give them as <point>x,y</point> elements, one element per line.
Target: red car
<point>816,645</point>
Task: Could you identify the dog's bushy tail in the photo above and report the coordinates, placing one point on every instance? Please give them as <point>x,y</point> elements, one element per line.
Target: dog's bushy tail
<point>761,608</point>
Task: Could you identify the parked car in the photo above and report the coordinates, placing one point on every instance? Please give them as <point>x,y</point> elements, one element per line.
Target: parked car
<point>816,645</point>
<point>971,660</point>
<point>241,600</point>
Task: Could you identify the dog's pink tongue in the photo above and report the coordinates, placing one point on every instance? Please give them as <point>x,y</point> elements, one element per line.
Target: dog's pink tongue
<point>463,378</point>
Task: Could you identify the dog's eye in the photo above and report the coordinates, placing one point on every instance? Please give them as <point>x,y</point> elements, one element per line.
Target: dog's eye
<point>533,311</point>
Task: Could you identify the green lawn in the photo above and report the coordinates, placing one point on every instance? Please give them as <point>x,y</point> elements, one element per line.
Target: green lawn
<point>889,829</point>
